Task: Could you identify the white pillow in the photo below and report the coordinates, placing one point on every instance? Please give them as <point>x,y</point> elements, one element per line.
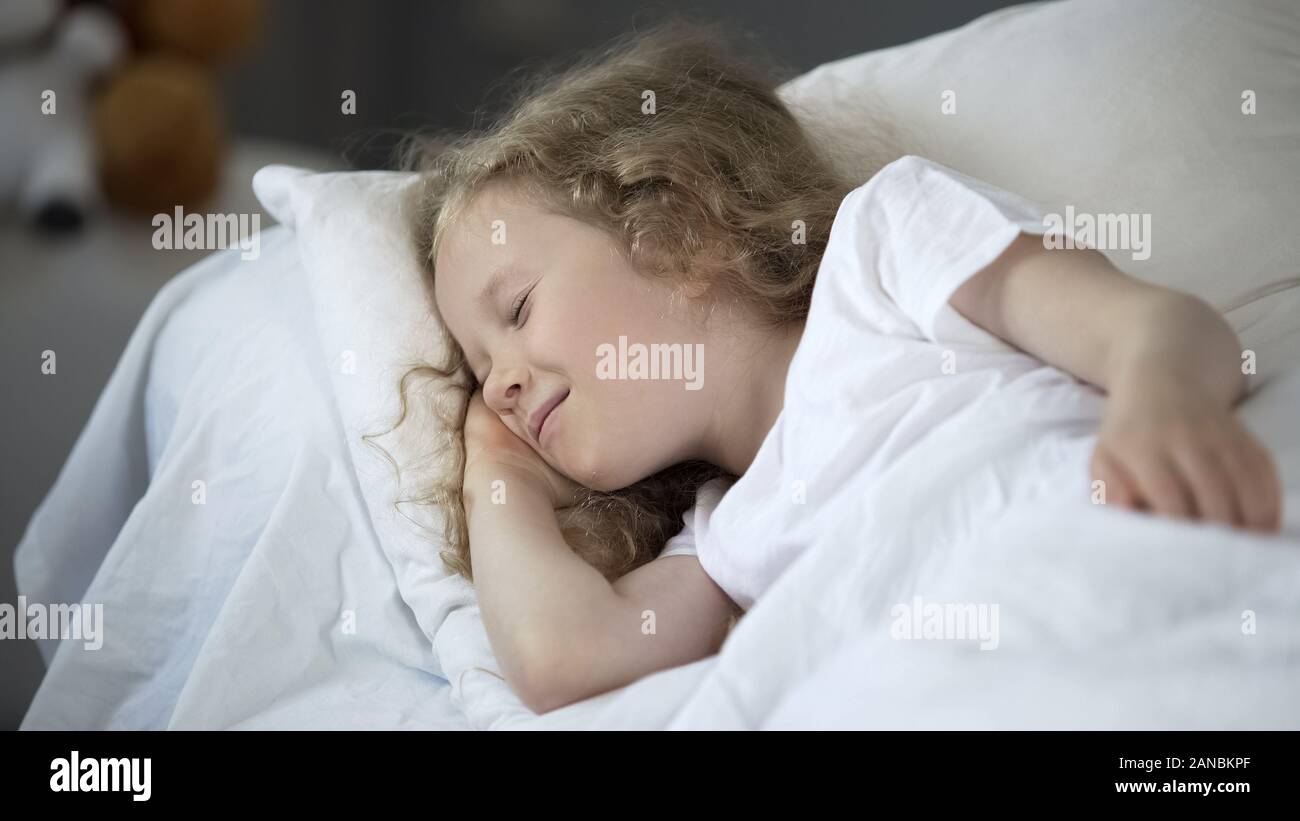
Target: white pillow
<point>1109,106</point>
<point>374,318</point>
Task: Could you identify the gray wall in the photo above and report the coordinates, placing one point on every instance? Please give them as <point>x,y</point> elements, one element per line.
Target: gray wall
<point>412,64</point>
<point>435,63</point>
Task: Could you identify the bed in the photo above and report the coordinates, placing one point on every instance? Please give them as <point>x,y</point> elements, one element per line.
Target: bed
<point>222,507</point>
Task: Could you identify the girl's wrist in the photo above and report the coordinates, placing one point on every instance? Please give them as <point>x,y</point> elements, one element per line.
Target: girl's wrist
<point>1181,350</point>
<point>1168,375</point>
<point>499,482</point>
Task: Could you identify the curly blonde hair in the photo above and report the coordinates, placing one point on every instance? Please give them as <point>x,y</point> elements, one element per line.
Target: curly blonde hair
<point>706,187</point>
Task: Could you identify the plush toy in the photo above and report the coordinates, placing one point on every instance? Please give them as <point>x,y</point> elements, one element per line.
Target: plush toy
<point>158,121</point>
<point>160,135</point>
<point>47,153</point>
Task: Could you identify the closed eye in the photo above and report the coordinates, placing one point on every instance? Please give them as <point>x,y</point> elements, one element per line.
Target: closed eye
<point>518,308</point>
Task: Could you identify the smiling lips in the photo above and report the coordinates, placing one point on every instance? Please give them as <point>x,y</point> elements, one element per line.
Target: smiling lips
<point>540,415</point>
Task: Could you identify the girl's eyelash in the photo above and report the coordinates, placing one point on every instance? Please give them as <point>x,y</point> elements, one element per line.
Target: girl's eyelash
<point>515,310</point>
<point>519,307</point>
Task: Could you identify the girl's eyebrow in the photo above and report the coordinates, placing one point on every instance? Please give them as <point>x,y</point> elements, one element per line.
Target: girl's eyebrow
<point>496,280</point>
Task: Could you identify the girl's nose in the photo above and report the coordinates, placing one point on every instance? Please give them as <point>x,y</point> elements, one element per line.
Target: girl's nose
<point>502,391</point>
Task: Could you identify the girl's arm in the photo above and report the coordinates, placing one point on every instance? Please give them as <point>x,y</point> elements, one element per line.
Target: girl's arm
<point>1169,441</point>
<point>559,630</point>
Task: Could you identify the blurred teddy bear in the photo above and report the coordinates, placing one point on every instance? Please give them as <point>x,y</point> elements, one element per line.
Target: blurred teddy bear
<point>158,122</point>
<point>113,99</point>
<point>47,158</point>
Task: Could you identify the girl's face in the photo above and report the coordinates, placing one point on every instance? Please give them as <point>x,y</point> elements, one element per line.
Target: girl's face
<point>574,295</point>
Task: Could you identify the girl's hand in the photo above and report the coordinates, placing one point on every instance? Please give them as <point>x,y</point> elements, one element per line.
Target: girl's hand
<point>1171,449</point>
<point>493,451</point>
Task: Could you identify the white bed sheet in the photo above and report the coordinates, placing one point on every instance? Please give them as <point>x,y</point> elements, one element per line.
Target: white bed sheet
<point>231,613</point>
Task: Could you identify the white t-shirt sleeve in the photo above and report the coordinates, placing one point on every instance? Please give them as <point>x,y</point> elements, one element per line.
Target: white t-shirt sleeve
<point>683,544</point>
<point>929,229</point>
<point>696,520</point>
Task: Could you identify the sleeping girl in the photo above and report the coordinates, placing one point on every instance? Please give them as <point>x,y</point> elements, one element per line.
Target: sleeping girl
<point>871,358</point>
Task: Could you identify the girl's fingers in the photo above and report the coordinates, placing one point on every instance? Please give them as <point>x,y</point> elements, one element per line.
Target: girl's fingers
<point>1274,485</point>
<point>1116,487</point>
<point>1271,488</point>
<point>1212,489</point>
<point>1250,486</point>
<point>1159,487</point>
<point>1230,479</point>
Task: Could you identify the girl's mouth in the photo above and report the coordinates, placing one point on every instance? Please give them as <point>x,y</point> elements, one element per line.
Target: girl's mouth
<point>544,413</point>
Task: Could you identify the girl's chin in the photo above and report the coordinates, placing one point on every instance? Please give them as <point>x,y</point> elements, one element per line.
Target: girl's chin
<point>605,483</point>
